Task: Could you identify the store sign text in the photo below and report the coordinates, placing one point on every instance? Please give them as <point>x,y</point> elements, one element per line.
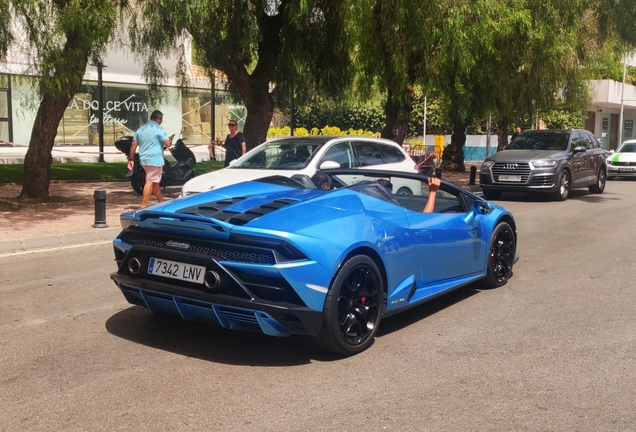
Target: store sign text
<point>110,105</point>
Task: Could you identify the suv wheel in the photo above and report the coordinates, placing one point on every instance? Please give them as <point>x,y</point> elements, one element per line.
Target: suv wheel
<point>599,186</point>
<point>563,184</point>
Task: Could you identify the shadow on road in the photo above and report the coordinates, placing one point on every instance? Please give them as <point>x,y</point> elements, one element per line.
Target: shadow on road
<point>582,195</point>
<point>404,319</point>
<point>216,344</point>
<point>209,342</point>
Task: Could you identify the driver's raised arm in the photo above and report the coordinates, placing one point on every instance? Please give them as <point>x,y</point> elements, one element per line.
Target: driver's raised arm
<point>433,186</point>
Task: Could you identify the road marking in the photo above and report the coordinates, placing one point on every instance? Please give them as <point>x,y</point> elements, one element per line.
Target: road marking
<point>49,249</point>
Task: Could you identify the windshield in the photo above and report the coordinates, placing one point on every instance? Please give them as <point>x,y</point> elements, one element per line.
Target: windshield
<point>627,148</point>
<point>540,140</point>
<point>284,154</point>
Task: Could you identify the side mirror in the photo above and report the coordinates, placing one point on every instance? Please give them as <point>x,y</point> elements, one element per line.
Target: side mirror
<point>482,207</point>
<point>326,165</point>
<point>579,149</point>
<point>611,151</point>
<point>479,207</point>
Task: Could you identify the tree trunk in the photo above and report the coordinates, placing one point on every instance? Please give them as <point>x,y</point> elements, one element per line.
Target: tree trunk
<point>502,132</point>
<point>260,110</point>
<point>453,156</point>
<point>397,116</point>
<point>37,162</point>
<point>254,88</point>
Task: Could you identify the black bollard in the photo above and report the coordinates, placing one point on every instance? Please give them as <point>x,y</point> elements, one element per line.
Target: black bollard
<point>438,173</point>
<point>473,174</point>
<point>100,208</point>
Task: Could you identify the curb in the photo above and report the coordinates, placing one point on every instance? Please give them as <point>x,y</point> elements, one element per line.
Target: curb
<point>22,244</point>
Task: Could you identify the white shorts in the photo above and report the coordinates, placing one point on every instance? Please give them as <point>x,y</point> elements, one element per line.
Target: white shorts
<point>153,173</point>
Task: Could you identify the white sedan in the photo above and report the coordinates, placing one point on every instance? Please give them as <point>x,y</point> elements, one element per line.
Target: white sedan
<point>306,155</point>
<point>622,162</point>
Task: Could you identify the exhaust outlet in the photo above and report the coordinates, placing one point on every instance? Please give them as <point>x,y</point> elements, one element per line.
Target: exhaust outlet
<point>134,265</point>
<point>212,279</point>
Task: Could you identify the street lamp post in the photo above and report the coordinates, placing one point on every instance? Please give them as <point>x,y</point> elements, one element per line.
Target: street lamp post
<point>100,110</point>
<point>620,117</point>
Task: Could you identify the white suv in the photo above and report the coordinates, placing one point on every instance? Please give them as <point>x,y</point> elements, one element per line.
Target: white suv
<point>306,155</point>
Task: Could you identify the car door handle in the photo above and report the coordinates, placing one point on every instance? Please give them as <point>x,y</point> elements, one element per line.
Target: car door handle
<point>424,234</point>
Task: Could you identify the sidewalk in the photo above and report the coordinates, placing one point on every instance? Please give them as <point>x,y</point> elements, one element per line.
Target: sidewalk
<point>68,217</point>
<point>87,153</point>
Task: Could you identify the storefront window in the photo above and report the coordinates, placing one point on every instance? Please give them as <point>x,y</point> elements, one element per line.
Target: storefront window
<point>5,120</point>
<point>196,117</point>
<point>197,120</point>
<point>126,108</point>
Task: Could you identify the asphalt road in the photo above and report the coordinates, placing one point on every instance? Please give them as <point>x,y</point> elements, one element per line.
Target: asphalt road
<point>553,350</point>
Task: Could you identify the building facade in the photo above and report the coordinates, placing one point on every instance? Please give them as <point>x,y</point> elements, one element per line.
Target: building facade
<point>610,98</point>
<point>125,103</point>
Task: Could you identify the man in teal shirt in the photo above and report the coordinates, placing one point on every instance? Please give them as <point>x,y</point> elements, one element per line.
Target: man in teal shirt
<point>152,140</point>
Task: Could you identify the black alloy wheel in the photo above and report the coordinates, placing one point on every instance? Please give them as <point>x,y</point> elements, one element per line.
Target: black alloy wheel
<point>353,308</point>
<point>501,255</point>
<point>563,184</point>
<point>601,179</point>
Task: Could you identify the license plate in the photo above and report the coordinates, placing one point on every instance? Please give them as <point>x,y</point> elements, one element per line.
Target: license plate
<point>176,270</point>
<point>626,169</point>
<point>512,178</point>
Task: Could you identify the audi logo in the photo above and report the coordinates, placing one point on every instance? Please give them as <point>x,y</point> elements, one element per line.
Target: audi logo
<point>510,166</point>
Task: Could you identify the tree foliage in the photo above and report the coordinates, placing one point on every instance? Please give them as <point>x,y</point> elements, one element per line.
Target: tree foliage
<point>261,46</point>
<point>59,36</point>
<point>617,18</point>
<point>513,58</point>
<point>396,43</point>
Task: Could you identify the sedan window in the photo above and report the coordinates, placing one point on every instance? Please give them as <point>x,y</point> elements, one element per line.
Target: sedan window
<point>340,153</point>
<point>281,154</point>
<point>368,153</point>
<point>576,141</point>
<point>593,141</point>
<point>391,154</point>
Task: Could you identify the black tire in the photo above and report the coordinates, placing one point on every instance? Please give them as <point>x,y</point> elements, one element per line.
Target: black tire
<point>137,181</point>
<point>563,186</point>
<point>353,308</point>
<point>404,191</point>
<point>601,179</point>
<point>501,255</point>
<point>492,194</point>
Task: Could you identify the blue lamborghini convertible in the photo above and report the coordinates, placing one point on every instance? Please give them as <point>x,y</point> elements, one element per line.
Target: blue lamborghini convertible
<point>281,256</point>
